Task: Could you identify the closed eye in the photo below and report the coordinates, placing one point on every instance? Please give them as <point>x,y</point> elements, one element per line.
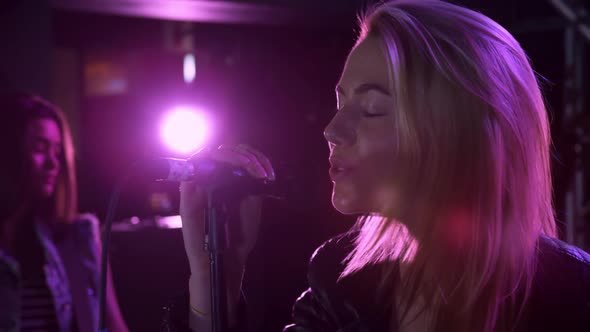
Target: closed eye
<point>373,115</point>
<point>365,113</point>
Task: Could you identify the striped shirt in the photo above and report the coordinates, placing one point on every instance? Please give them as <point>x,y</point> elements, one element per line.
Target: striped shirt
<point>37,307</point>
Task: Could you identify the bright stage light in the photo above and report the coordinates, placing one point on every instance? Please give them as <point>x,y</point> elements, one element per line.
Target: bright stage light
<point>185,130</point>
<point>189,68</point>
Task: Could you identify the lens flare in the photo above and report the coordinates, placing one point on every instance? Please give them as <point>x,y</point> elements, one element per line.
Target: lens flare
<point>185,130</point>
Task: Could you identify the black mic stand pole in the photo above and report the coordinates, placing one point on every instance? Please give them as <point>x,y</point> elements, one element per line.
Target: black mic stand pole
<point>216,239</point>
<point>216,244</point>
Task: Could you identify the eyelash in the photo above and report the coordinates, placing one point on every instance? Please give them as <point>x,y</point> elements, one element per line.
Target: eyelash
<point>365,114</point>
<point>371,115</point>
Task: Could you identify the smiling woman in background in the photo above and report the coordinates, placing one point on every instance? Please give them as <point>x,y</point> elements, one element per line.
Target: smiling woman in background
<point>441,141</point>
<point>48,252</point>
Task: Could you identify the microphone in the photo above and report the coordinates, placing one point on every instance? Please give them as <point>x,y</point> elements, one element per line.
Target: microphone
<point>207,173</point>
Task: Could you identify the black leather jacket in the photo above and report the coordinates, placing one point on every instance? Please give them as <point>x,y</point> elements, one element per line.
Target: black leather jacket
<point>560,300</point>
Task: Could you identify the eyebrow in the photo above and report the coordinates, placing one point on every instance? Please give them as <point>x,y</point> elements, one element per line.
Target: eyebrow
<point>45,140</point>
<point>364,88</point>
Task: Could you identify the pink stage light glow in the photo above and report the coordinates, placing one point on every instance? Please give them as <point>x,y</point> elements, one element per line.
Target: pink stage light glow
<point>185,130</point>
<point>189,68</point>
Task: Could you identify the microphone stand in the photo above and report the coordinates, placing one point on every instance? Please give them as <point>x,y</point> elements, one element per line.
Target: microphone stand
<point>216,244</point>
<point>223,190</point>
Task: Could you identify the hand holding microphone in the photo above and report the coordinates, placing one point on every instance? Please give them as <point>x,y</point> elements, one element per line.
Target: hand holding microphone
<point>243,232</point>
<point>193,200</point>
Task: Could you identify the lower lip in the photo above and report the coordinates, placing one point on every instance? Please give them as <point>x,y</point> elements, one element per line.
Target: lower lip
<point>338,173</point>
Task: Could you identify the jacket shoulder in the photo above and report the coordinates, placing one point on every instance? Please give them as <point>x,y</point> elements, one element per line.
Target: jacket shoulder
<point>557,248</point>
<point>327,262</point>
<point>565,266</point>
<point>561,295</point>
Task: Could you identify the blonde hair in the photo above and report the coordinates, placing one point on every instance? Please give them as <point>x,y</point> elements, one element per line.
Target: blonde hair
<point>472,125</point>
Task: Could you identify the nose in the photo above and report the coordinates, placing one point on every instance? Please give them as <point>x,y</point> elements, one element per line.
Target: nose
<point>51,161</point>
<point>340,130</point>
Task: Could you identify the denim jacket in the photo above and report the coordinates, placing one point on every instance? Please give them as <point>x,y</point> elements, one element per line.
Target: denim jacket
<point>71,270</point>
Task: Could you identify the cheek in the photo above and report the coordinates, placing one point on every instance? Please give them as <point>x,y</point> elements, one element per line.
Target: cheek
<point>377,151</point>
<point>382,168</point>
<point>36,162</point>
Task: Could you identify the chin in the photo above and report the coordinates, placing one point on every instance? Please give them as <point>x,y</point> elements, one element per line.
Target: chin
<point>346,205</point>
<point>47,192</point>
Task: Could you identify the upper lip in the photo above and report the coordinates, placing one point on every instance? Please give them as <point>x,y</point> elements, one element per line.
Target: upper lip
<point>51,178</point>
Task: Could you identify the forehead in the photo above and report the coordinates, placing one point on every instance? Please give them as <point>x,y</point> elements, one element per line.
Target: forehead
<point>366,63</point>
<point>44,127</point>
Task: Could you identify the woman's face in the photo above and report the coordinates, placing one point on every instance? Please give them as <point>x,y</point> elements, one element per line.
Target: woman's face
<point>361,134</point>
<point>43,153</point>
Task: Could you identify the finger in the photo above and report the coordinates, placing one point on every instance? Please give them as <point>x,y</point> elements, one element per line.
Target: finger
<point>256,168</point>
<point>258,160</point>
<point>231,157</point>
<point>240,158</point>
<point>262,159</point>
<point>248,161</point>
